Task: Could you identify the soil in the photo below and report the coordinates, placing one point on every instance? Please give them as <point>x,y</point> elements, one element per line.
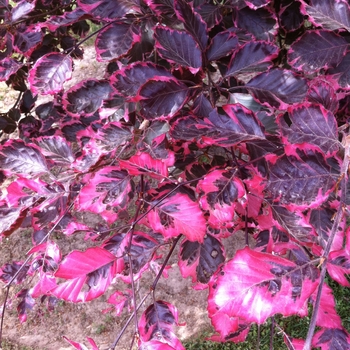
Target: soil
<point>44,330</point>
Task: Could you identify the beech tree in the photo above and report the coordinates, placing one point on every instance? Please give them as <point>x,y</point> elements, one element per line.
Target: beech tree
<point>213,117</point>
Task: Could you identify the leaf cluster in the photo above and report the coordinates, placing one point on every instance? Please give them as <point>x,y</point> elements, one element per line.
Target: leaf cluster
<point>212,117</point>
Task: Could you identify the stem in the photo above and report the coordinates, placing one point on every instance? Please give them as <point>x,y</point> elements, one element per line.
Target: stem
<point>3,314</point>
<point>152,288</point>
<point>272,332</point>
<point>337,219</point>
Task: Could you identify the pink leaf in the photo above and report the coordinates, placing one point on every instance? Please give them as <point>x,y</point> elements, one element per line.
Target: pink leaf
<point>143,163</point>
<point>94,267</point>
<point>254,286</point>
<point>177,214</point>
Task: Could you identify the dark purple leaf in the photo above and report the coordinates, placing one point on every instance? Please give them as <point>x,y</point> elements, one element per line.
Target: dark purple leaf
<point>201,261</point>
<point>342,72</point>
<point>193,22</point>
<point>322,220</point>
<point>291,17</point>
<point>310,125</point>
<point>49,73</point>
<point>109,10</point>
<point>9,270</point>
<point>7,125</point>
<point>18,158</point>
<point>331,339</point>
<point>129,79</point>
<point>26,304</point>
<point>301,180</point>
<point>322,92</point>
<point>315,50</point>
<point>261,23</point>
<point>278,88</point>
<point>8,66</point>
<point>330,15</point>
<point>222,45</point>
<point>86,97</point>
<point>238,124</point>
<point>56,148</point>
<point>111,136</point>
<point>162,98</point>
<point>178,47</point>
<point>210,13</point>
<point>116,40</point>
<point>293,222</point>
<point>251,58</point>
<point>162,7</point>
<point>27,39</point>
<point>66,19</point>
<point>189,128</point>
<point>255,4</point>
<point>202,107</point>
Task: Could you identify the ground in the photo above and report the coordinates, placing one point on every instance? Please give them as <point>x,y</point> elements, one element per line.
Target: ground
<point>45,330</point>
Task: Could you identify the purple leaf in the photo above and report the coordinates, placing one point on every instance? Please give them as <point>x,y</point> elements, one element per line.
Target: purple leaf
<point>301,180</point>
<point>178,47</point>
<point>342,72</point>
<point>49,73</point>
<point>157,322</point>
<point>315,50</point>
<point>161,7</point>
<point>330,15</point>
<point>193,22</point>
<point>278,88</point>
<point>129,79</point>
<point>109,10</point>
<point>201,261</point>
<point>94,267</point>
<point>210,13</point>
<point>86,97</point>
<point>251,58</point>
<point>222,45</point>
<point>237,125</point>
<point>21,10</point>
<point>107,190</point>
<point>162,98</point>
<point>8,66</point>
<point>26,304</point>
<point>255,4</point>
<point>322,92</point>
<point>57,149</point>
<point>331,339</point>
<point>254,286</point>
<point>66,19</point>
<point>8,271</point>
<point>10,219</point>
<point>261,23</point>
<point>116,40</point>
<point>310,125</point>
<point>27,39</point>
<point>177,214</point>
<point>16,157</point>
<point>291,17</point>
